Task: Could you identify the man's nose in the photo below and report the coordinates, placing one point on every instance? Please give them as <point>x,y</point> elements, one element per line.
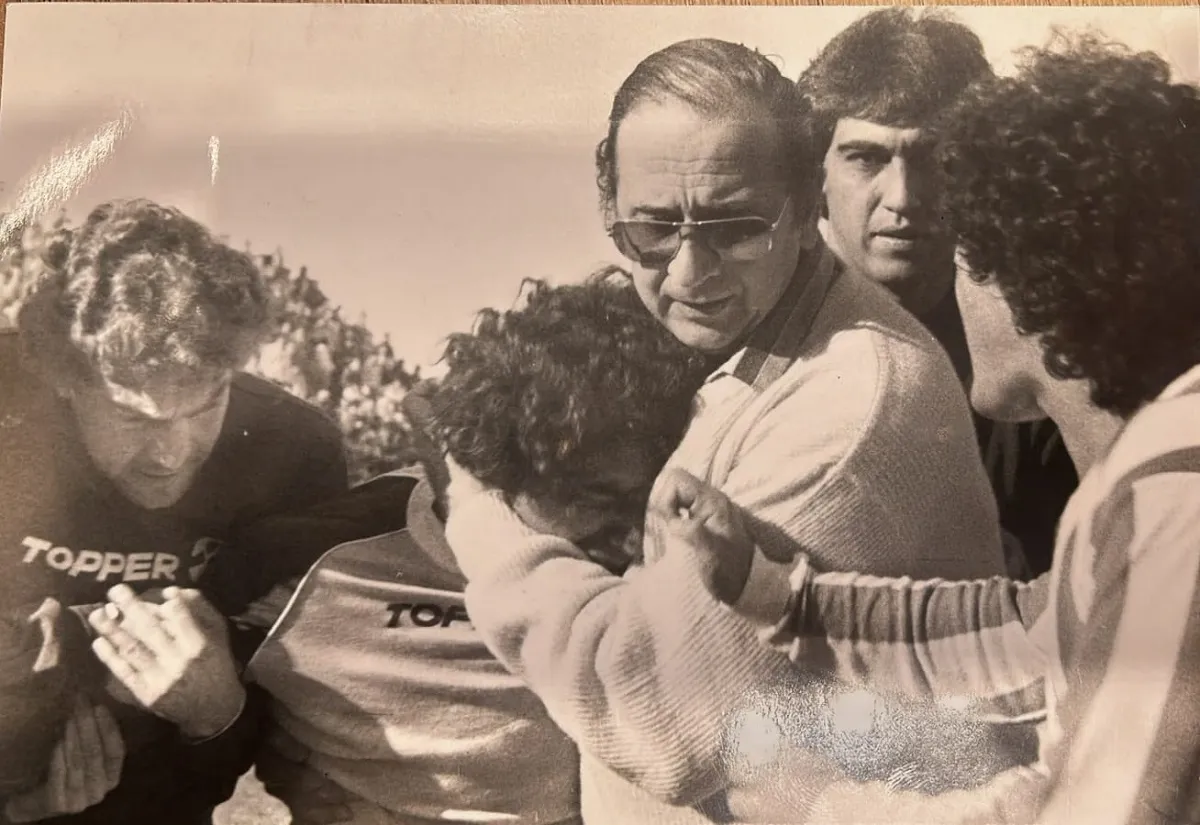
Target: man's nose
<point>693,264</point>
<point>901,191</point>
<point>168,446</point>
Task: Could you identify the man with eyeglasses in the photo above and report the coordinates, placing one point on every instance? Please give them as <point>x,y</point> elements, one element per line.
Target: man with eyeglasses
<point>834,419</point>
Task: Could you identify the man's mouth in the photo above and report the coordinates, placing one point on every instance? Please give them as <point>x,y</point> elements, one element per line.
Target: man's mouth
<point>900,239</point>
<point>706,306</point>
<point>158,473</point>
<point>903,233</point>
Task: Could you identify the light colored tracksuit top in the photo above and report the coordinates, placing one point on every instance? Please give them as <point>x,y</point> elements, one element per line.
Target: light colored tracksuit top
<point>376,670</point>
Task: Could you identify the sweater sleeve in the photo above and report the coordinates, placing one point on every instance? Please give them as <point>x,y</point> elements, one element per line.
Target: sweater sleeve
<point>647,672</point>
<point>642,671</point>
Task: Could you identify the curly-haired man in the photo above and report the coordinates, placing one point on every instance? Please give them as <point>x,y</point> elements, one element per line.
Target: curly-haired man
<point>130,447</point>
<point>1073,192</point>
<point>387,706</point>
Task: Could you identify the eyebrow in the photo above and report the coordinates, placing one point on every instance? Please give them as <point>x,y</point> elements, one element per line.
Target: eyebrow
<point>211,401</point>
<point>708,212</point>
<point>923,146</point>
<point>863,146</point>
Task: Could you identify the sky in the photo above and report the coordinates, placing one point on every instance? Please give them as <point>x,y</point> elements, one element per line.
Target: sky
<point>419,160</point>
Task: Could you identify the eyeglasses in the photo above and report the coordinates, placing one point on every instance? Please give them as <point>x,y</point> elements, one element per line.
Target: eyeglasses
<point>656,243</point>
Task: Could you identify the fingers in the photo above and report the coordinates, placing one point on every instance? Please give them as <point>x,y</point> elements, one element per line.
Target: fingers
<point>85,766</point>
<point>126,673</point>
<point>46,617</point>
<point>678,496</point>
<point>674,491</point>
<point>79,755</point>
<point>104,621</point>
<point>189,610</point>
<point>56,784</point>
<point>141,620</point>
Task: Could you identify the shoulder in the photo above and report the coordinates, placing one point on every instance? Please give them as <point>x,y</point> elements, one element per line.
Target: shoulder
<point>1148,483</point>
<point>1163,438</point>
<point>373,508</point>
<point>255,395</point>
<point>262,410</point>
<point>275,453</point>
<point>866,356</point>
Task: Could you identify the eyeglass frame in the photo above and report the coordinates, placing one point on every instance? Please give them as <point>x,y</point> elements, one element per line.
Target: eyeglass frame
<point>679,226</point>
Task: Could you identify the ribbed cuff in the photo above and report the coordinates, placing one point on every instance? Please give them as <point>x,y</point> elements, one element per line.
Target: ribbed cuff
<point>768,596</point>
<point>233,721</point>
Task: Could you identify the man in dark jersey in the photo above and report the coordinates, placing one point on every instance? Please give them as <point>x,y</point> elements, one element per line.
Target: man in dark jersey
<point>131,446</point>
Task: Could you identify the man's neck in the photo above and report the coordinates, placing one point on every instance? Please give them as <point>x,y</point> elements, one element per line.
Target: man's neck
<point>922,296</point>
<point>1087,431</point>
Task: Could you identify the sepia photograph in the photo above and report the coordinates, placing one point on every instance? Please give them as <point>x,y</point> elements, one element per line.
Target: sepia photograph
<point>599,415</point>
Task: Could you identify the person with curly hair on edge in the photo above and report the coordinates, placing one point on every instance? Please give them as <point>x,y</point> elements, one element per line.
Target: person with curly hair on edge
<point>1074,195</point>
<point>386,705</point>
<point>131,446</point>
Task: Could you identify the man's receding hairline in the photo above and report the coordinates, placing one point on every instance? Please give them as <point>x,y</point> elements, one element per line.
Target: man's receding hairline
<point>756,112</point>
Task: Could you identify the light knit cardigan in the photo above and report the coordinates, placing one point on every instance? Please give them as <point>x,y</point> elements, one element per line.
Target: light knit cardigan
<point>862,452</point>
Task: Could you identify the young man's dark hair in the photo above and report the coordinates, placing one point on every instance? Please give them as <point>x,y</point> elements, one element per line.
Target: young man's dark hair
<point>898,67</point>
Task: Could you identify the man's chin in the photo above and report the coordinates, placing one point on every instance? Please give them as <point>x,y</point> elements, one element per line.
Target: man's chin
<point>1007,410</point>
<point>155,494</point>
<point>894,272</point>
<point>703,338</point>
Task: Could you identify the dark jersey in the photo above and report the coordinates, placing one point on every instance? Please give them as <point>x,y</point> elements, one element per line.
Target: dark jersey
<point>67,532</point>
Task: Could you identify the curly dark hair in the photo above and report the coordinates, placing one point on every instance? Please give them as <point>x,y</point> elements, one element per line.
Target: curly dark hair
<point>140,289</point>
<point>534,395</point>
<point>714,77</point>
<point>1076,186</point>
<point>899,67</point>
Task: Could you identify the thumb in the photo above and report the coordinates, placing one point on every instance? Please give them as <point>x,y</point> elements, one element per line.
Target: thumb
<point>675,491</point>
